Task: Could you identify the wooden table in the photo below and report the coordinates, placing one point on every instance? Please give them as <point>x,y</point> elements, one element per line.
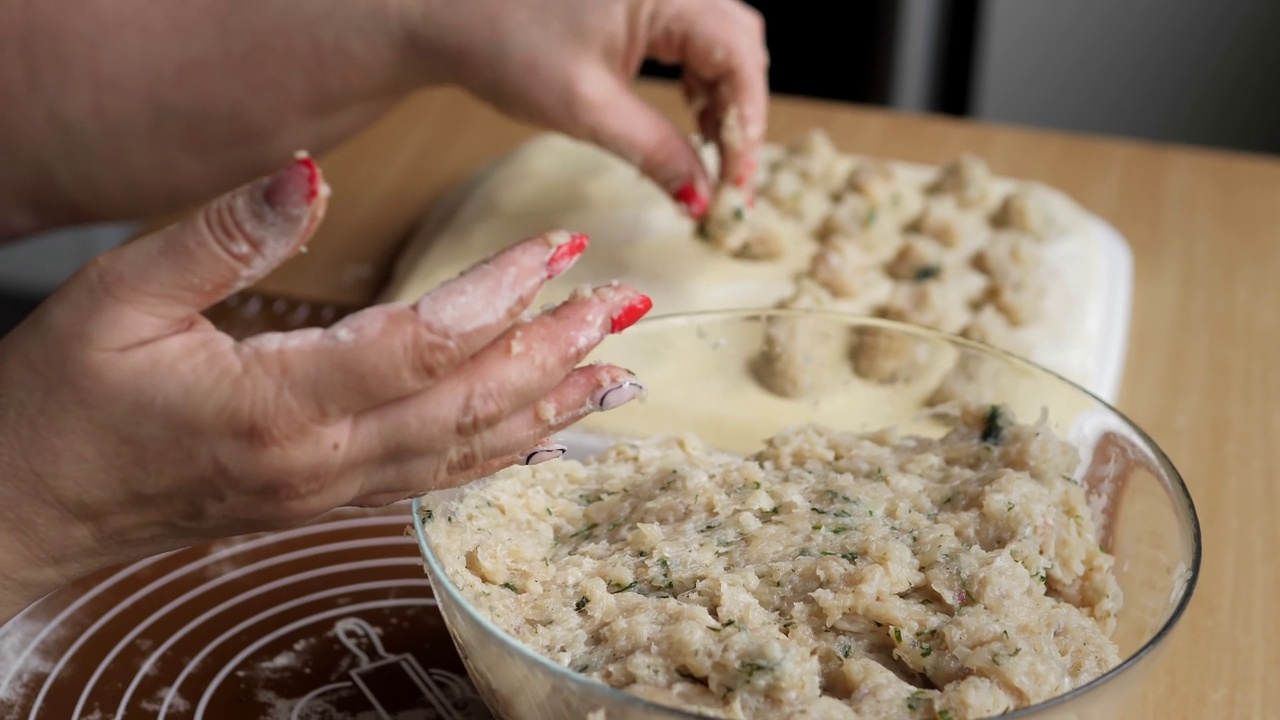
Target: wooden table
<point>1205,232</point>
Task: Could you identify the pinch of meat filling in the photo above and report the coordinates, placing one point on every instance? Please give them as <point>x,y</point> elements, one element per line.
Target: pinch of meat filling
<point>755,230</point>
<point>830,574</point>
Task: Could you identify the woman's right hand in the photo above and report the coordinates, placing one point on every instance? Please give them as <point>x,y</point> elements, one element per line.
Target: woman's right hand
<point>212,91</point>
<point>131,426</point>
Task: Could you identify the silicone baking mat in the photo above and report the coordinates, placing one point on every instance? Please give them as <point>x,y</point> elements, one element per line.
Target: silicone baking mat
<point>331,620</point>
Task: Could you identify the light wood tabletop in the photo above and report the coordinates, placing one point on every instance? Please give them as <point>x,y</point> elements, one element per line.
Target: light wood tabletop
<point>1205,231</point>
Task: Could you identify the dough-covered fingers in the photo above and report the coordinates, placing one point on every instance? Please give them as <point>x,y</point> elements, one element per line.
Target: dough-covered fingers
<point>607,112</point>
<point>545,450</point>
<point>510,374</point>
<point>522,438</point>
<point>388,352</point>
<point>721,45</point>
<point>481,302</point>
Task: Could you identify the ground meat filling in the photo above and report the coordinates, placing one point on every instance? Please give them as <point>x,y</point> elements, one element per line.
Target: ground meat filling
<point>952,253</point>
<point>831,574</point>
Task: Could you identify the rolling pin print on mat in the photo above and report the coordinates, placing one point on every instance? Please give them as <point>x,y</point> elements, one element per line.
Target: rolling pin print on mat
<point>397,686</point>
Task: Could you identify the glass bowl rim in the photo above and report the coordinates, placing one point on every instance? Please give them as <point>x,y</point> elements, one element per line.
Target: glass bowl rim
<point>1180,495</point>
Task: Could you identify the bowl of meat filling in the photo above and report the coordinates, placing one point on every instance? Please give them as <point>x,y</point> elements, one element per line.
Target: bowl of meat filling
<point>816,515</point>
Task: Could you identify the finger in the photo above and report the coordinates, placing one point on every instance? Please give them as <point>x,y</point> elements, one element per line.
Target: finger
<point>545,450</point>
<point>721,45</point>
<point>388,352</point>
<point>510,374</point>
<point>697,95</point>
<point>156,285</point>
<point>608,113</point>
<point>586,390</point>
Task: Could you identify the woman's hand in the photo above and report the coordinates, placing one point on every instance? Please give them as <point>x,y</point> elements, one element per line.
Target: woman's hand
<point>129,425</point>
<point>567,64</point>
<point>100,94</point>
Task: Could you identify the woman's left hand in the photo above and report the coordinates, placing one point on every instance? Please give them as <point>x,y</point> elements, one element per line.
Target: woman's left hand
<point>130,426</point>
<point>119,111</point>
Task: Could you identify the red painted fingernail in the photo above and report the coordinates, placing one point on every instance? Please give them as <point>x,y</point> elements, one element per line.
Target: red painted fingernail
<point>566,254</point>
<point>693,201</point>
<point>631,314</point>
<point>296,186</point>
<point>314,184</point>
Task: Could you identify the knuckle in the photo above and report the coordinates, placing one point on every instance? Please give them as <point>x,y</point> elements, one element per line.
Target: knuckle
<point>428,354</point>
<point>288,486</point>
<point>107,280</point>
<point>584,98</point>
<point>275,425</point>
<point>485,405</point>
<point>461,458</point>
<point>262,435</point>
<point>750,19</point>
<point>298,489</point>
<point>226,226</point>
<point>289,467</point>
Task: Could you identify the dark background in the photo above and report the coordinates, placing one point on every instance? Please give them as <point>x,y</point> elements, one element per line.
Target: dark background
<point>13,309</point>
<point>844,50</point>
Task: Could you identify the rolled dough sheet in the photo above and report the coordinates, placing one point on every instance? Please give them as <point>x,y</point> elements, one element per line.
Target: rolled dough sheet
<point>639,235</point>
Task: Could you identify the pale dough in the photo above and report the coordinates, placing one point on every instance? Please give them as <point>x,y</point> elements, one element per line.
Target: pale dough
<point>639,235</point>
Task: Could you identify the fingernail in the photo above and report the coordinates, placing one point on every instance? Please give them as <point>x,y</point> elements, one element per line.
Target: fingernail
<point>568,248</point>
<point>631,313</point>
<point>618,394</point>
<point>694,201</point>
<point>295,187</point>
<point>541,454</point>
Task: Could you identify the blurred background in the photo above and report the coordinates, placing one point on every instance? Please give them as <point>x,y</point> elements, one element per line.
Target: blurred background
<point>1201,72</point>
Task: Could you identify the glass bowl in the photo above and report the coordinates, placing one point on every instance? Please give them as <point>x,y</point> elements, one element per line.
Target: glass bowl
<point>736,378</point>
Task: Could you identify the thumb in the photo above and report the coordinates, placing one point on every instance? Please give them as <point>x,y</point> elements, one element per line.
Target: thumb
<point>611,115</point>
<point>155,284</point>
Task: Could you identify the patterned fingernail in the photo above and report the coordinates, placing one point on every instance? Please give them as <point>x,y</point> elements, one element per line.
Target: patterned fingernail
<point>693,200</point>
<point>631,314</point>
<point>542,453</point>
<point>569,247</point>
<point>618,394</point>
